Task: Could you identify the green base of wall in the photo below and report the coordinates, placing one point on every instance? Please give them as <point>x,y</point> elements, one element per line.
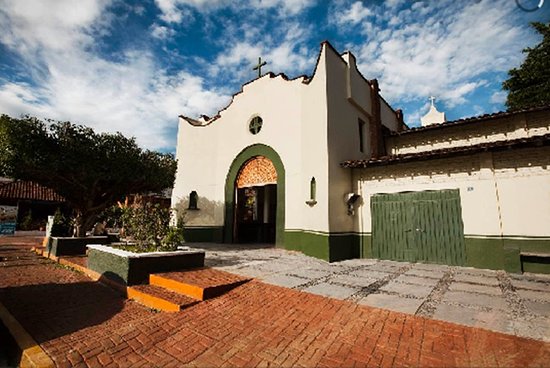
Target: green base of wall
<point>484,253</point>
<point>331,247</point>
<point>203,234</point>
<point>493,253</point>
<point>505,254</point>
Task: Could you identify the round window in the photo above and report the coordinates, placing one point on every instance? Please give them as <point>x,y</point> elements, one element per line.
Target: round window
<point>255,125</point>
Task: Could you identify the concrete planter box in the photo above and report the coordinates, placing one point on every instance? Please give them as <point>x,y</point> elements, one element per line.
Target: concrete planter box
<point>128,268</point>
<point>69,246</point>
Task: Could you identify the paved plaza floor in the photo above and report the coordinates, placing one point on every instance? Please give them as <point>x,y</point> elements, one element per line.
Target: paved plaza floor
<point>321,317</point>
<point>495,300</point>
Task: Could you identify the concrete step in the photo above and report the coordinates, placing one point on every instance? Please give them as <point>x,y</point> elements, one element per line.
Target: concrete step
<point>201,284</point>
<point>157,297</point>
<point>38,250</point>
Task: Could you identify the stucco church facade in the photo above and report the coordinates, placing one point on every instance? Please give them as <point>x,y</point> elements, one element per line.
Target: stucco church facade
<point>324,165</point>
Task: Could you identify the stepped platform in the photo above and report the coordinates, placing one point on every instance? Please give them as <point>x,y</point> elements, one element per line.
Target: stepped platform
<point>201,284</point>
<point>167,291</point>
<point>157,297</point>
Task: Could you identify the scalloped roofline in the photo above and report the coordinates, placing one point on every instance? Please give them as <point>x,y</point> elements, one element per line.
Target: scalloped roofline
<point>205,120</point>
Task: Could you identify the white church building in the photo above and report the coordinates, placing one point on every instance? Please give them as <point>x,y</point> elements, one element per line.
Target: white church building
<point>324,165</point>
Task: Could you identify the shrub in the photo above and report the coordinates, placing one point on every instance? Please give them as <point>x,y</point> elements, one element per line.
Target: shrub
<point>61,224</point>
<point>27,222</point>
<point>147,225</point>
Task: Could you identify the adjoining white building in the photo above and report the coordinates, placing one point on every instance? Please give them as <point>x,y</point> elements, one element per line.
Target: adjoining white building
<point>324,165</point>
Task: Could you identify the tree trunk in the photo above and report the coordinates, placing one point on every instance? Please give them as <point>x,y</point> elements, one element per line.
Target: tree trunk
<point>77,226</point>
<point>83,222</point>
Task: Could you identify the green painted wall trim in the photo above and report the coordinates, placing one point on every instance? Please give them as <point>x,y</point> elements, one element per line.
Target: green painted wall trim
<point>503,253</point>
<point>330,247</point>
<point>512,259</point>
<point>245,155</point>
<point>488,253</point>
<point>484,253</point>
<point>312,244</point>
<point>203,234</point>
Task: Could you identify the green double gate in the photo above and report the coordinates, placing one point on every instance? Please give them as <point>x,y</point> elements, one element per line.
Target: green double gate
<point>418,226</point>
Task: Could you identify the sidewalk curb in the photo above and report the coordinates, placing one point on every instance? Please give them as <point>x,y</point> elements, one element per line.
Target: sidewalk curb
<point>32,355</point>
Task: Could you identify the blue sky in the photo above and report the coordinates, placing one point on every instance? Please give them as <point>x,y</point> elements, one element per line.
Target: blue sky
<point>134,66</point>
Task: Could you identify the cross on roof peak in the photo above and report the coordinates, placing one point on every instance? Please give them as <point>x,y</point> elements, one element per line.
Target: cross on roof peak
<point>259,66</point>
<point>432,99</point>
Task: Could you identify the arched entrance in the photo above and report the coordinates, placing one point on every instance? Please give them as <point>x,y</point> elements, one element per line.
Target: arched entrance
<point>256,202</point>
<point>254,197</point>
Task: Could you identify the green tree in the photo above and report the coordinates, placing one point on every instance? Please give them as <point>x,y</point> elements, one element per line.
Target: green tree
<point>529,85</point>
<point>92,171</point>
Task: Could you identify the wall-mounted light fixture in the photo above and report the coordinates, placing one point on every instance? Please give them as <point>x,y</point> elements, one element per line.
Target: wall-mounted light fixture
<point>352,198</point>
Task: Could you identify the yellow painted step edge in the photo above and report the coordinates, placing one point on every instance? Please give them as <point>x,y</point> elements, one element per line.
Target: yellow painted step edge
<point>152,301</point>
<point>177,286</point>
<point>32,354</point>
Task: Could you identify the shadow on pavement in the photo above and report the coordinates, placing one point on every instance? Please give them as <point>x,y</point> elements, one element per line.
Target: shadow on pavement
<point>10,354</point>
<point>48,311</point>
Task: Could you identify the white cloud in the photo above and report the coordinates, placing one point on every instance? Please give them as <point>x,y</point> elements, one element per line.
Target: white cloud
<point>133,95</point>
<point>27,25</point>
<point>478,110</point>
<point>443,49</point>
<point>283,54</point>
<point>355,14</point>
<point>174,11</point>
<point>412,119</point>
<point>283,58</point>
<point>20,99</point>
<point>237,54</point>
<point>291,7</point>
<point>394,3</point>
<point>161,32</point>
<point>499,97</point>
<point>139,10</point>
<point>455,94</point>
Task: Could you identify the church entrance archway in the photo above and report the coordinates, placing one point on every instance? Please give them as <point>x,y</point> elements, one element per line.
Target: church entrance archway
<point>256,202</point>
<point>254,191</point>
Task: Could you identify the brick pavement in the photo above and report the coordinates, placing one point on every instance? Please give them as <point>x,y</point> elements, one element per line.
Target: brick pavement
<point>83,323</point>
<point>516,304</point>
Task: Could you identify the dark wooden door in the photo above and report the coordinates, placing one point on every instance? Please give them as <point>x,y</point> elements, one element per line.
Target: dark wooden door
<point>256,214</point>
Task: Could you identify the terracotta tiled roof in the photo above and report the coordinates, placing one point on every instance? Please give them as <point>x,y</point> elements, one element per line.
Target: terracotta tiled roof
<point>473,119</point>
<point>28,190</point>
<point>536,141</point>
